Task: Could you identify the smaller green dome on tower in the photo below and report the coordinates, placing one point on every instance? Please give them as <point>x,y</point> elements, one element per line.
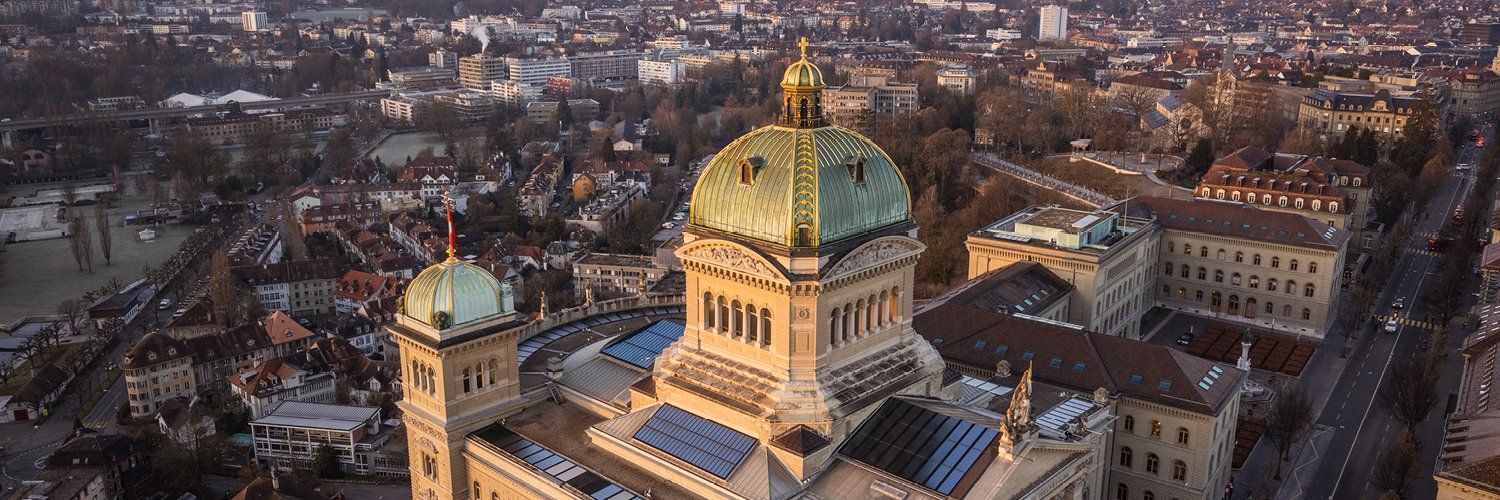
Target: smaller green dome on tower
<point>802,73</point>
<point>455,293</point>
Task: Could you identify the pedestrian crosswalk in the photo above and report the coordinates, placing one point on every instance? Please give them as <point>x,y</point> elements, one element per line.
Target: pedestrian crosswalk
<point>1423,251</point>
<point>1430,325</point>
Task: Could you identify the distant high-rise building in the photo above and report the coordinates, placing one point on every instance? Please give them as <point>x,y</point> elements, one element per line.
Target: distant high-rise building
<point>478,70</point>
<point>254,21</point>
<point>443,58</point>
<point>1054,25</point>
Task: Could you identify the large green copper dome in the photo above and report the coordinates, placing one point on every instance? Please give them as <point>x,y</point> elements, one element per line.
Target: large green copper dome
<point>771,181</point>
<point>455,293</point>
<point>802,182</point>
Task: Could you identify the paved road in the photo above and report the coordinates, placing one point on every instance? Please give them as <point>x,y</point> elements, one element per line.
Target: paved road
<point>1361,424</point>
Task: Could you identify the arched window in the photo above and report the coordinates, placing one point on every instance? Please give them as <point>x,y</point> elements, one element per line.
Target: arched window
<point>752,324</point>
<point>1182,432</point>
<point>1312,268</point>
<point>1333,206</point>
<point>747,173</point>
<point>1356,181</point>
<point>1207,192</point>
<point>1317,205</point>
<point>885,313</point>
<point>1148,495</point>
<point>1292,265</point>
<point>1129,423</point>
<point>1122,492</point>
<point>1291,286</point>
<point>1234,279</point>
<point>859,314</point>
<point>834,332</point>
<point>1265,200</point>
<point>1202,273</point>
<point>1168,269</point>
<point>1156,428</point>
<point>708,311</point>
<point>431,380</point>
<point>1203,251</point>
<point>894,310</point>
<point>1126,456</point>
<point>1179,470</point>
<point>1186,270</point>
<point>1219,194</point>
<point>1271,284</point>
<point>1250,198</point>
<point>1306,313</point>
<point>723,314</point>
<point>737,323</point>
<point>1181,293</point>
<point>1153,463</point>
<point>1171,247</point>
<point>1220,254</point>
<point>1187,249</point>
<point>765,326</point>
<point>1234,196</point>
<point>844,323</point>
<point>479,376</point>
<point>1307,290</point>
<point>1250,310</point>
<point>1275,262</point>
<point>870,317</point>
<point>1254,281</point>
<point>1299,203</point>
<point>1270,307</point>
<point>1239,257</point>
<point>1255,260</point>
<point>1281,201</point>
<point>477,494</point>
<point>1286,310</point>
<point>1218,275</point>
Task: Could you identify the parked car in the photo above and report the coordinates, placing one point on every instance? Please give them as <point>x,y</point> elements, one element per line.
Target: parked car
<point>164,304</point>
<point>1185,339</point>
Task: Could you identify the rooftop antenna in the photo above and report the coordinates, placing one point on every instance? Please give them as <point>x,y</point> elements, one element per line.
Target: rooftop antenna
<point>452,236</point>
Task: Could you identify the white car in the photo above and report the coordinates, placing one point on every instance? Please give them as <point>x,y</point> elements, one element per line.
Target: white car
<point>1400,303</point>
<point>1463,166</point>
<point>1391,326</point>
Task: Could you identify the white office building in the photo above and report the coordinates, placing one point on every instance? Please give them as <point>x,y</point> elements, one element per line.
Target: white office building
<point>514,94</point>
<point>662,71</point>
<point>536,71</point>
<point>254,21</point>
<point>1054,24</point>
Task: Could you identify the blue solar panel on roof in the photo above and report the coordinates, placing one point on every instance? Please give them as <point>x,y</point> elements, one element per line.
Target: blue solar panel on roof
<point>709,446</point>
<point>1002,349</point>
<point>1028,355</point>
<point>557,466</point>
<point>920,445</point>
<point>1136,378</point>
<point>979,345</point>
<point>1165,385</point>
<point>642,347</point>
<point>1056,362</point>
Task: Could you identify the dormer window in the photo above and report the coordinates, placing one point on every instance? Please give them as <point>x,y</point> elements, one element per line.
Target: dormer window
<point>171,351</point>
<point>749,167</point>
<point>856,166</point>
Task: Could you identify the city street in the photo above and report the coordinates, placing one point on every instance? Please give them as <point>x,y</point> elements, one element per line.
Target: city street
<point>1360,424</point>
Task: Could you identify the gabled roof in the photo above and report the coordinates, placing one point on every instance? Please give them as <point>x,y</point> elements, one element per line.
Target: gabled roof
<point>282,329</point>
<point>978,340</point>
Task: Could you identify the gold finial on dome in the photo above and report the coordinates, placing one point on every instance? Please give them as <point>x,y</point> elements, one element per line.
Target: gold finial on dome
<point>452,236</point>
<point>802,44</point>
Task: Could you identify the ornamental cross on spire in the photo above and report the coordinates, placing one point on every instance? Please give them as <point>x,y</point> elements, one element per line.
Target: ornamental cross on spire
<point>452,236</point>
<point>803,45</point>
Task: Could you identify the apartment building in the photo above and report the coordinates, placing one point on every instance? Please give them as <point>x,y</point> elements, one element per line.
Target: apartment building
<point>291,433</point>
<point>299,288</point>
<point>619,274</point>
<point>156,369</point>
<point>478,70</point>
<point>292,378</point>
<point>1235,262</point>
<point>421,76</point>
<point>1331,113</point>
<point>1335,192</point>
<point>605,65</point>
<point>957,78</point>
<point>866,97</point>
<point>1105,256</point>
<point>661,71</point>
<point>514,94</point>
<point>1475,94</point>
<point>1053,25</point>
<point>536,71</point>
<point>325,218</point>
<point>584,110</point>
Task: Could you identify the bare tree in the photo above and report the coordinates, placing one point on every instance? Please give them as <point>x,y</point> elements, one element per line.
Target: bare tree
<point>291,232</point>
<point>1138,99</point>
<point>75,313</point>
<point>78,242</point>
<point>101,223</point>
<point>221,289</point>
<point>1411,390</point>
<point>1290,421</point>
<point>1397,464</point>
